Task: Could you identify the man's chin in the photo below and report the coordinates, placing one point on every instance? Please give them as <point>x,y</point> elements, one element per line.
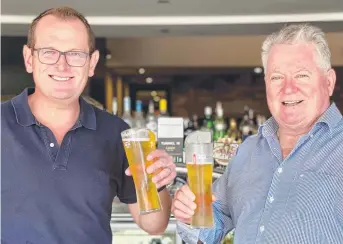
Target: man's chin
<point>63,97</point>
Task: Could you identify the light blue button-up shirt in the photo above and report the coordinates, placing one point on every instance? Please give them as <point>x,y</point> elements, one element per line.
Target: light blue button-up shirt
<point>268,199</point>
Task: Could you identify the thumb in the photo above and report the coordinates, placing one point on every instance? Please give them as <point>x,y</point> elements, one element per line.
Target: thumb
<point>128,172</point>
<point>214,198</point>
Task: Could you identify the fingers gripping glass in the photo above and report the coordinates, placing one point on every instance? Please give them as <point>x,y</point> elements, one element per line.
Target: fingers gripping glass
<point>51,56</point>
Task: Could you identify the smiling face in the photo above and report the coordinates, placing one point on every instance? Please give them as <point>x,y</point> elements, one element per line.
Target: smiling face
<point>60,81</point>
<point>298,90</point>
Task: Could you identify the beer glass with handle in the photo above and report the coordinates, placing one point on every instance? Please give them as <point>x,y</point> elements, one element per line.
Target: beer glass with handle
<point>138,143</point>
<point>199,159</point>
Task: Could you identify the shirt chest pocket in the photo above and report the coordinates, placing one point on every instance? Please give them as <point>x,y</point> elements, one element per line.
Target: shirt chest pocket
<point>314,195</point>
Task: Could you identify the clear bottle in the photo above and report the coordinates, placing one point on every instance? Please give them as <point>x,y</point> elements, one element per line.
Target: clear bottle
<point>151,119</point>
<point>191,126</point>
<point>114,106</point>
<point>127,111</point>
<point>139,121</point>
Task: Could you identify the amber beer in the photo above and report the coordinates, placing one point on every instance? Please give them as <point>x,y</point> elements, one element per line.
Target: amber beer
<point>138,143</point>
<point>199,172</point>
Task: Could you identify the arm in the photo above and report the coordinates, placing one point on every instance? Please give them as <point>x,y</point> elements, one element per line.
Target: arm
<point>153,223</point>
<point>221,213</point>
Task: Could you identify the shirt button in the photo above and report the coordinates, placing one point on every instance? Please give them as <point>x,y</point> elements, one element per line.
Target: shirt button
<point>52,144</point>
<point>271,199</point>
<point>301,175</point>
<point>279,170</point>
<point>261,228</point>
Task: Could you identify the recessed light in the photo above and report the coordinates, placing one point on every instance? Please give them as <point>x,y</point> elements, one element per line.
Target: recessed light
<point>258,70</point>
<point>141,71</point>
<point>149,80</point>
<point>153,93</point>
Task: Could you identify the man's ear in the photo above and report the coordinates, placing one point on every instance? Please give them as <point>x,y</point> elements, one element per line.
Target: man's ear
<point>28,56</point>
<point>331,81</point>
<point>93,62</point>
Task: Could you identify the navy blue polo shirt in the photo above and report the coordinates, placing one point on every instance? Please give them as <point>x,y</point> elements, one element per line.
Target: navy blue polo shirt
<point>53,194</point>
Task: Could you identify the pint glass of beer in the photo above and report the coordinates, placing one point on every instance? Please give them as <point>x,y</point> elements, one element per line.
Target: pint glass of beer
<point>199,161</point>
<point>138,143</point>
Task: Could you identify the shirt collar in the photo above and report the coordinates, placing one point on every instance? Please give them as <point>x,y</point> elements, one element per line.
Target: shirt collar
<point>87,115</point>
<point>269,127</point>
<point>22,109</point>
<point>25,117</point>
<point>330,117</point>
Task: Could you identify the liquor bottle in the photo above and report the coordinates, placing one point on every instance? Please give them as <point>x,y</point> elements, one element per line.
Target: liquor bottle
<point>252,122</point>
<point>195,122</point>
<point>219,123</point>
<point>233,133</point>
<point>151,119</point>
<point>260,119</point>
<point>139,121</point>
<point>114,106</point>
<point>127,111</point>
<point>191,126</point>
<point>208,124</point>
<point>244,126</point>
<point>163,108</point>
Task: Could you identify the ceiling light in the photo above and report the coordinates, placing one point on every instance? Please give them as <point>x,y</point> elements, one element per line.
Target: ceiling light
<point>153,93</point>
<point>258,70</point>
<point>141,71</point>
<point>108,56</point>
<point>149,80</point>
<point>191,20</point>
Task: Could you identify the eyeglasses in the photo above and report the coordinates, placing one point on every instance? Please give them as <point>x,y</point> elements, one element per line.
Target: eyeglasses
<point>51,56</point>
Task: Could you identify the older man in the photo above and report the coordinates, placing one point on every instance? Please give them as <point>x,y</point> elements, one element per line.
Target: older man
<point>62,159</point>
<point>285,185</point>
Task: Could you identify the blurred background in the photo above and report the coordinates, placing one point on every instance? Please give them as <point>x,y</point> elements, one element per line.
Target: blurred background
<point>199,60</point>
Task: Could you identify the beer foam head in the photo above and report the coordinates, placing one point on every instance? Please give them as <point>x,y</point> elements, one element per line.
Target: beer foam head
<point>136,139</point>
<point>135,133</point>
<point>199,162</point>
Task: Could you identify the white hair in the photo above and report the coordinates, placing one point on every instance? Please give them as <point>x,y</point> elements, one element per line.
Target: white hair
<point>299,33</point>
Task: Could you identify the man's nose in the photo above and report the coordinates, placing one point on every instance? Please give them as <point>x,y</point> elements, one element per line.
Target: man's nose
<point>290,86</point>
<point>62,63</point>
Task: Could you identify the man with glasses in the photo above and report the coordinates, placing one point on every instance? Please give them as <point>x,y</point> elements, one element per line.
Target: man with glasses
<point>52,56</point>
<point>62,159</point>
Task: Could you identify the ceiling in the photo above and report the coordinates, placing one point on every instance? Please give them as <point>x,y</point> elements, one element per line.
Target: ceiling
<point>175,7</point>
<point>137,18</point>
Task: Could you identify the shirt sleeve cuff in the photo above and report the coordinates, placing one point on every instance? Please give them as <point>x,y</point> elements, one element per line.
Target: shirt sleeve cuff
<point>129,200</point>
<point>187,233</point>
<point>161,188</point>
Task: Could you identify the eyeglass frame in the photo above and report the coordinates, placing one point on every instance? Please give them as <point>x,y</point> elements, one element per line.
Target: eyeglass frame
<point>59,56</point>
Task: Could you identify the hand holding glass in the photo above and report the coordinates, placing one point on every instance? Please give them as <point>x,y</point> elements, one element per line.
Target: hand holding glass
<point>138,144</point>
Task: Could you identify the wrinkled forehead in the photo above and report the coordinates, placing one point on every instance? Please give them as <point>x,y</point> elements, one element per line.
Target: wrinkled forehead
<point>62,34</point>
<point>288,56</point>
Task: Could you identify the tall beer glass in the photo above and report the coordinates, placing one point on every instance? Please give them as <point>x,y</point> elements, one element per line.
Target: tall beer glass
<point>199,159</point>
<point>138,143</point>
